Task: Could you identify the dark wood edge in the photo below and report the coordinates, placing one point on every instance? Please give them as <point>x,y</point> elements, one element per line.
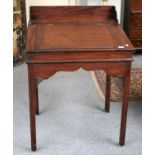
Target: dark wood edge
<point>78,61</point>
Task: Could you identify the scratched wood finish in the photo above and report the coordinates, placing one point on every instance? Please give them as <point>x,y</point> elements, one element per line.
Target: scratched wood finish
<point>69,38</point>
<point>96,36</point>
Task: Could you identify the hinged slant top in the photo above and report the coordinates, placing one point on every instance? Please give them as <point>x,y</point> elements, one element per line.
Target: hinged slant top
<point>75,28</point>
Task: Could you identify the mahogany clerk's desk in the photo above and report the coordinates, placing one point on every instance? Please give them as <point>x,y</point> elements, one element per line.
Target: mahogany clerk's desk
<point>69,38</point>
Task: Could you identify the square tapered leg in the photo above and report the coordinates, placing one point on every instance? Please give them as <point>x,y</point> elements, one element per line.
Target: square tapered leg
<point>32,108</point>
<point>37,100</point>
<point>107,96</point>
<point>124,108</point>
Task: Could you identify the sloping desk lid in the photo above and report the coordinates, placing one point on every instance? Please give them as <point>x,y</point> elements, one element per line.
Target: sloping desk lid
<point>80,35</point>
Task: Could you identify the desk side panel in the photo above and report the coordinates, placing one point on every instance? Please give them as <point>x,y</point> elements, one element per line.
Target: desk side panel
<point>31,39</point>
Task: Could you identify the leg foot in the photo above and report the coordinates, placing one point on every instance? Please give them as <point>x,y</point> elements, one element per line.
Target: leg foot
<point>33,148</point>
<point>121,144</point>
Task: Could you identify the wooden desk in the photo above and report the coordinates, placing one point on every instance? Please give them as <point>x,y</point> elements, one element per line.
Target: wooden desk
<point>69,38</point>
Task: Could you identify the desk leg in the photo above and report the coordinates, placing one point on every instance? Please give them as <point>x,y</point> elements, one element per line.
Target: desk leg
<point>124,108</point>
<point>32,105</point>
<point>37,100</point>
<point>107,96</point>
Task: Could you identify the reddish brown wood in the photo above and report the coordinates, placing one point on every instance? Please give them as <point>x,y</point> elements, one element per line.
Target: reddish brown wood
<point>69,38</point>
<point>37,99</point>
<point>133,22</point>
<point>75,13</point>
<point>136,5</point>
<point>135,25</point>
<point>32,106</point>
<point>76,56</point>
<point>31,38</point>
<point>125,106</point>
<point>97,36</point>
<point>107,97</point>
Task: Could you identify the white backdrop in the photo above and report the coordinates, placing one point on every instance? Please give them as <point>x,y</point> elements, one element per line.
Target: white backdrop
<point>119,7</point>
<point>46,2</point>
